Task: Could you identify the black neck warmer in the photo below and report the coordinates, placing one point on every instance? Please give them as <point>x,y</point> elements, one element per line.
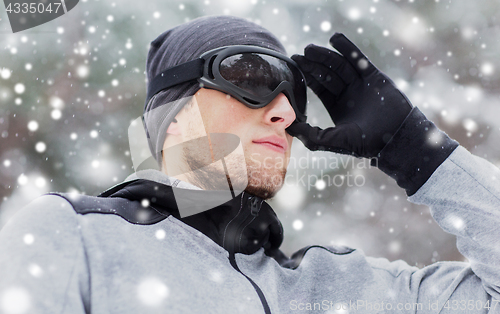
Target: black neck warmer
<point>242,225</point>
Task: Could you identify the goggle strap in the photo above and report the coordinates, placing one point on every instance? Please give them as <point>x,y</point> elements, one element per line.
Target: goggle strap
<point>181,73</point>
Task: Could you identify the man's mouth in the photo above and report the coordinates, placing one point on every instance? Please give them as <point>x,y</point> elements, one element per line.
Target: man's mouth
<point>274,143</point>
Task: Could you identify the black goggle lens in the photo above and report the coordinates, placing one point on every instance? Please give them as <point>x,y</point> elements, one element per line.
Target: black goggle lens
<point>260,74</point>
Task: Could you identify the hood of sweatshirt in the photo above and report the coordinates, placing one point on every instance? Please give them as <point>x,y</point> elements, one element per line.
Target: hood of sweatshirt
<point>244,224</point>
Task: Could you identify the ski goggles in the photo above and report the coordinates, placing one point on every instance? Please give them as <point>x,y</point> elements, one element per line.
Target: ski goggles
<point>253,75</point>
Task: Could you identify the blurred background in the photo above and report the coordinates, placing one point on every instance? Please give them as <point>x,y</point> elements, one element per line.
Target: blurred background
<point>70,88</point>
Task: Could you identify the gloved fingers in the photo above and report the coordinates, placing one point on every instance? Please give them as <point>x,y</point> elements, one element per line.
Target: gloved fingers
<point>343,139</point>
<point>352,53</point>
<point>323,94</point>
<point>316,87</point>
<point>319,77</point>
<point>324,55</point>
<point>333,61</point>
<point>328,100</point>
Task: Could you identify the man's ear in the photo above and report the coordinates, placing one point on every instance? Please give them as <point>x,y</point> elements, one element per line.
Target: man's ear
<point>174,128</point>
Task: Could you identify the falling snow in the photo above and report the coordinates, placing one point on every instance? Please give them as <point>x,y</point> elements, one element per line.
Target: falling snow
<point>5,73</point>
<point>354,14</point>
<point>19,88</point>
<point>326,26</point>
<point>35,270</point>
<point>56,114</point>
<point>15,300</point>
<point>320,184</point>
<point>152,292</point>
<point>82,71</point>
<point>216,276</point>
<point>28,239</point>
<point>40,147</point>
<point>33,126</point>
<point>160,233</point>
<point>298,224</point>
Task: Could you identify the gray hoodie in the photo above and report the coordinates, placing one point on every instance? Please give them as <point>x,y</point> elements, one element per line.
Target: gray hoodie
<point>58,256</point>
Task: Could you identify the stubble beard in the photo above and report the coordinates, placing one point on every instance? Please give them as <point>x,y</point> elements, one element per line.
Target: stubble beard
<point>259,179</point>
<point>263,181</point>
<point>247,174</point>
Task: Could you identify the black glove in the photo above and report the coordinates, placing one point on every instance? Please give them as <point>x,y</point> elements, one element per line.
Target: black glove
<point>363,102</point>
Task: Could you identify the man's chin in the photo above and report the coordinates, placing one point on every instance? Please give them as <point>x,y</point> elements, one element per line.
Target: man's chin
<point>262,192</point>
<point>267,187</point>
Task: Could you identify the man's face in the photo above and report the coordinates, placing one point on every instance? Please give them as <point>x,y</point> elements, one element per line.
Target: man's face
<point>265,143</point>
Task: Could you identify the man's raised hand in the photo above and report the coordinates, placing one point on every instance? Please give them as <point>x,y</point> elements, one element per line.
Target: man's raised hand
<point>363,102</point>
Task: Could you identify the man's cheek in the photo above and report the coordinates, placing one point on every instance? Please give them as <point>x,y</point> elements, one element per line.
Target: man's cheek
<point>254,160</point>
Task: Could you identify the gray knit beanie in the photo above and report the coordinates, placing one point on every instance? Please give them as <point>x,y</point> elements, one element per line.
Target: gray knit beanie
<point>184,43</point>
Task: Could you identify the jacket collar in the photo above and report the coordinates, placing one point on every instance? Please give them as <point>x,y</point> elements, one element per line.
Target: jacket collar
<point>244,224</point>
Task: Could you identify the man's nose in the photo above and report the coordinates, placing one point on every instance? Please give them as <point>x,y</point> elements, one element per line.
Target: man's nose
<point>280,111</point>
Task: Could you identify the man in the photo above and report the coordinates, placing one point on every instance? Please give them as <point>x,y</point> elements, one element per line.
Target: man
<point>139,247</point>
